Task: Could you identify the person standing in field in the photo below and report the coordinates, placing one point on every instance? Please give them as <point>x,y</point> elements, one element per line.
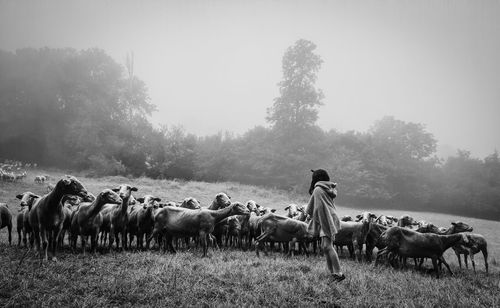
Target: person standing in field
<point>325,222</point>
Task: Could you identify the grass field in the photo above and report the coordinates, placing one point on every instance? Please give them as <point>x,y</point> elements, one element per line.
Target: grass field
<point>231,277</point>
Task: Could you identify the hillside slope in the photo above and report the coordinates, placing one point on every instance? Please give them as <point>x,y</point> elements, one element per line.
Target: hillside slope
<point>229,277</point>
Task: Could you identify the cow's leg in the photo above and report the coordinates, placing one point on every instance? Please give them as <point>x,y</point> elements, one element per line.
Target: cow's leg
<point>9,229</point>
<point>459,259</point>
<point>434,263</point>
<point>45,244</point>
<point>446,264</point>
<point>471,254</point>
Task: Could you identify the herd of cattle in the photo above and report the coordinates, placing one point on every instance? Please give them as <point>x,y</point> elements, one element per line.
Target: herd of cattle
<point>115,217</point>
<point>14,171</point>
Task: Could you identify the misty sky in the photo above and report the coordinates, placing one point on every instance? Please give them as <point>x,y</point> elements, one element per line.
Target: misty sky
<point>212,66</point>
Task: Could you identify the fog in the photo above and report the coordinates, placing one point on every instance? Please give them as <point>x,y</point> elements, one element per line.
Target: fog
<point>214,66</point>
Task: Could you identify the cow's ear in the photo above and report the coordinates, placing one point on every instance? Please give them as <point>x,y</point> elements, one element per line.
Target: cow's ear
<point>115,189</point>
<point>134,189</point>
<point>273,210</point>
<point>454,223</point>
<point>141,200</point>
<point>286,209</point>
<point>19,197</point>
<point>157,199</point>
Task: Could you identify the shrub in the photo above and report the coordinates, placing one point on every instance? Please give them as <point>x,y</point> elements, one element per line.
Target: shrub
<point>101,165</point>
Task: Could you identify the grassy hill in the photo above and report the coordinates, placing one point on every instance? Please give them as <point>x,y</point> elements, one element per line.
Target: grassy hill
<point>231,277</point>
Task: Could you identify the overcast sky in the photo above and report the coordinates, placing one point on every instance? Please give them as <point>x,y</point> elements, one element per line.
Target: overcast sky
<point>213,66</point>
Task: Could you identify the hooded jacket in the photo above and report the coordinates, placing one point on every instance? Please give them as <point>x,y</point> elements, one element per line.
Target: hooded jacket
<point>321,208</point>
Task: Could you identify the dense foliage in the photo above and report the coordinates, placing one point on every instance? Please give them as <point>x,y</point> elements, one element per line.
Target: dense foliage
<point>81,109</point>
<point>69,108</point>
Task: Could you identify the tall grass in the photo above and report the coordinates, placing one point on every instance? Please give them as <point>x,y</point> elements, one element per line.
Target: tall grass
<point>229,277</point>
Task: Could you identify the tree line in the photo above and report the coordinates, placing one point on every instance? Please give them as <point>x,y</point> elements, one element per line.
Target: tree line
<point>81,109</point>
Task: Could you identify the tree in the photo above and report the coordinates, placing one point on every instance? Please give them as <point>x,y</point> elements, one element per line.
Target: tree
<point>409,140</point>
<point>179,153</point>
<point>294,144</point>
<point>492,169</point>
<point>215,157</point>
<point>402,152</point>
<point>70,108</point>
<point>346,162</point>
<point>295,108</point>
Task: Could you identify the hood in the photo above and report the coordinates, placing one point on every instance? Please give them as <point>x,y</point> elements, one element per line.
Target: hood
<point>328,187</point>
